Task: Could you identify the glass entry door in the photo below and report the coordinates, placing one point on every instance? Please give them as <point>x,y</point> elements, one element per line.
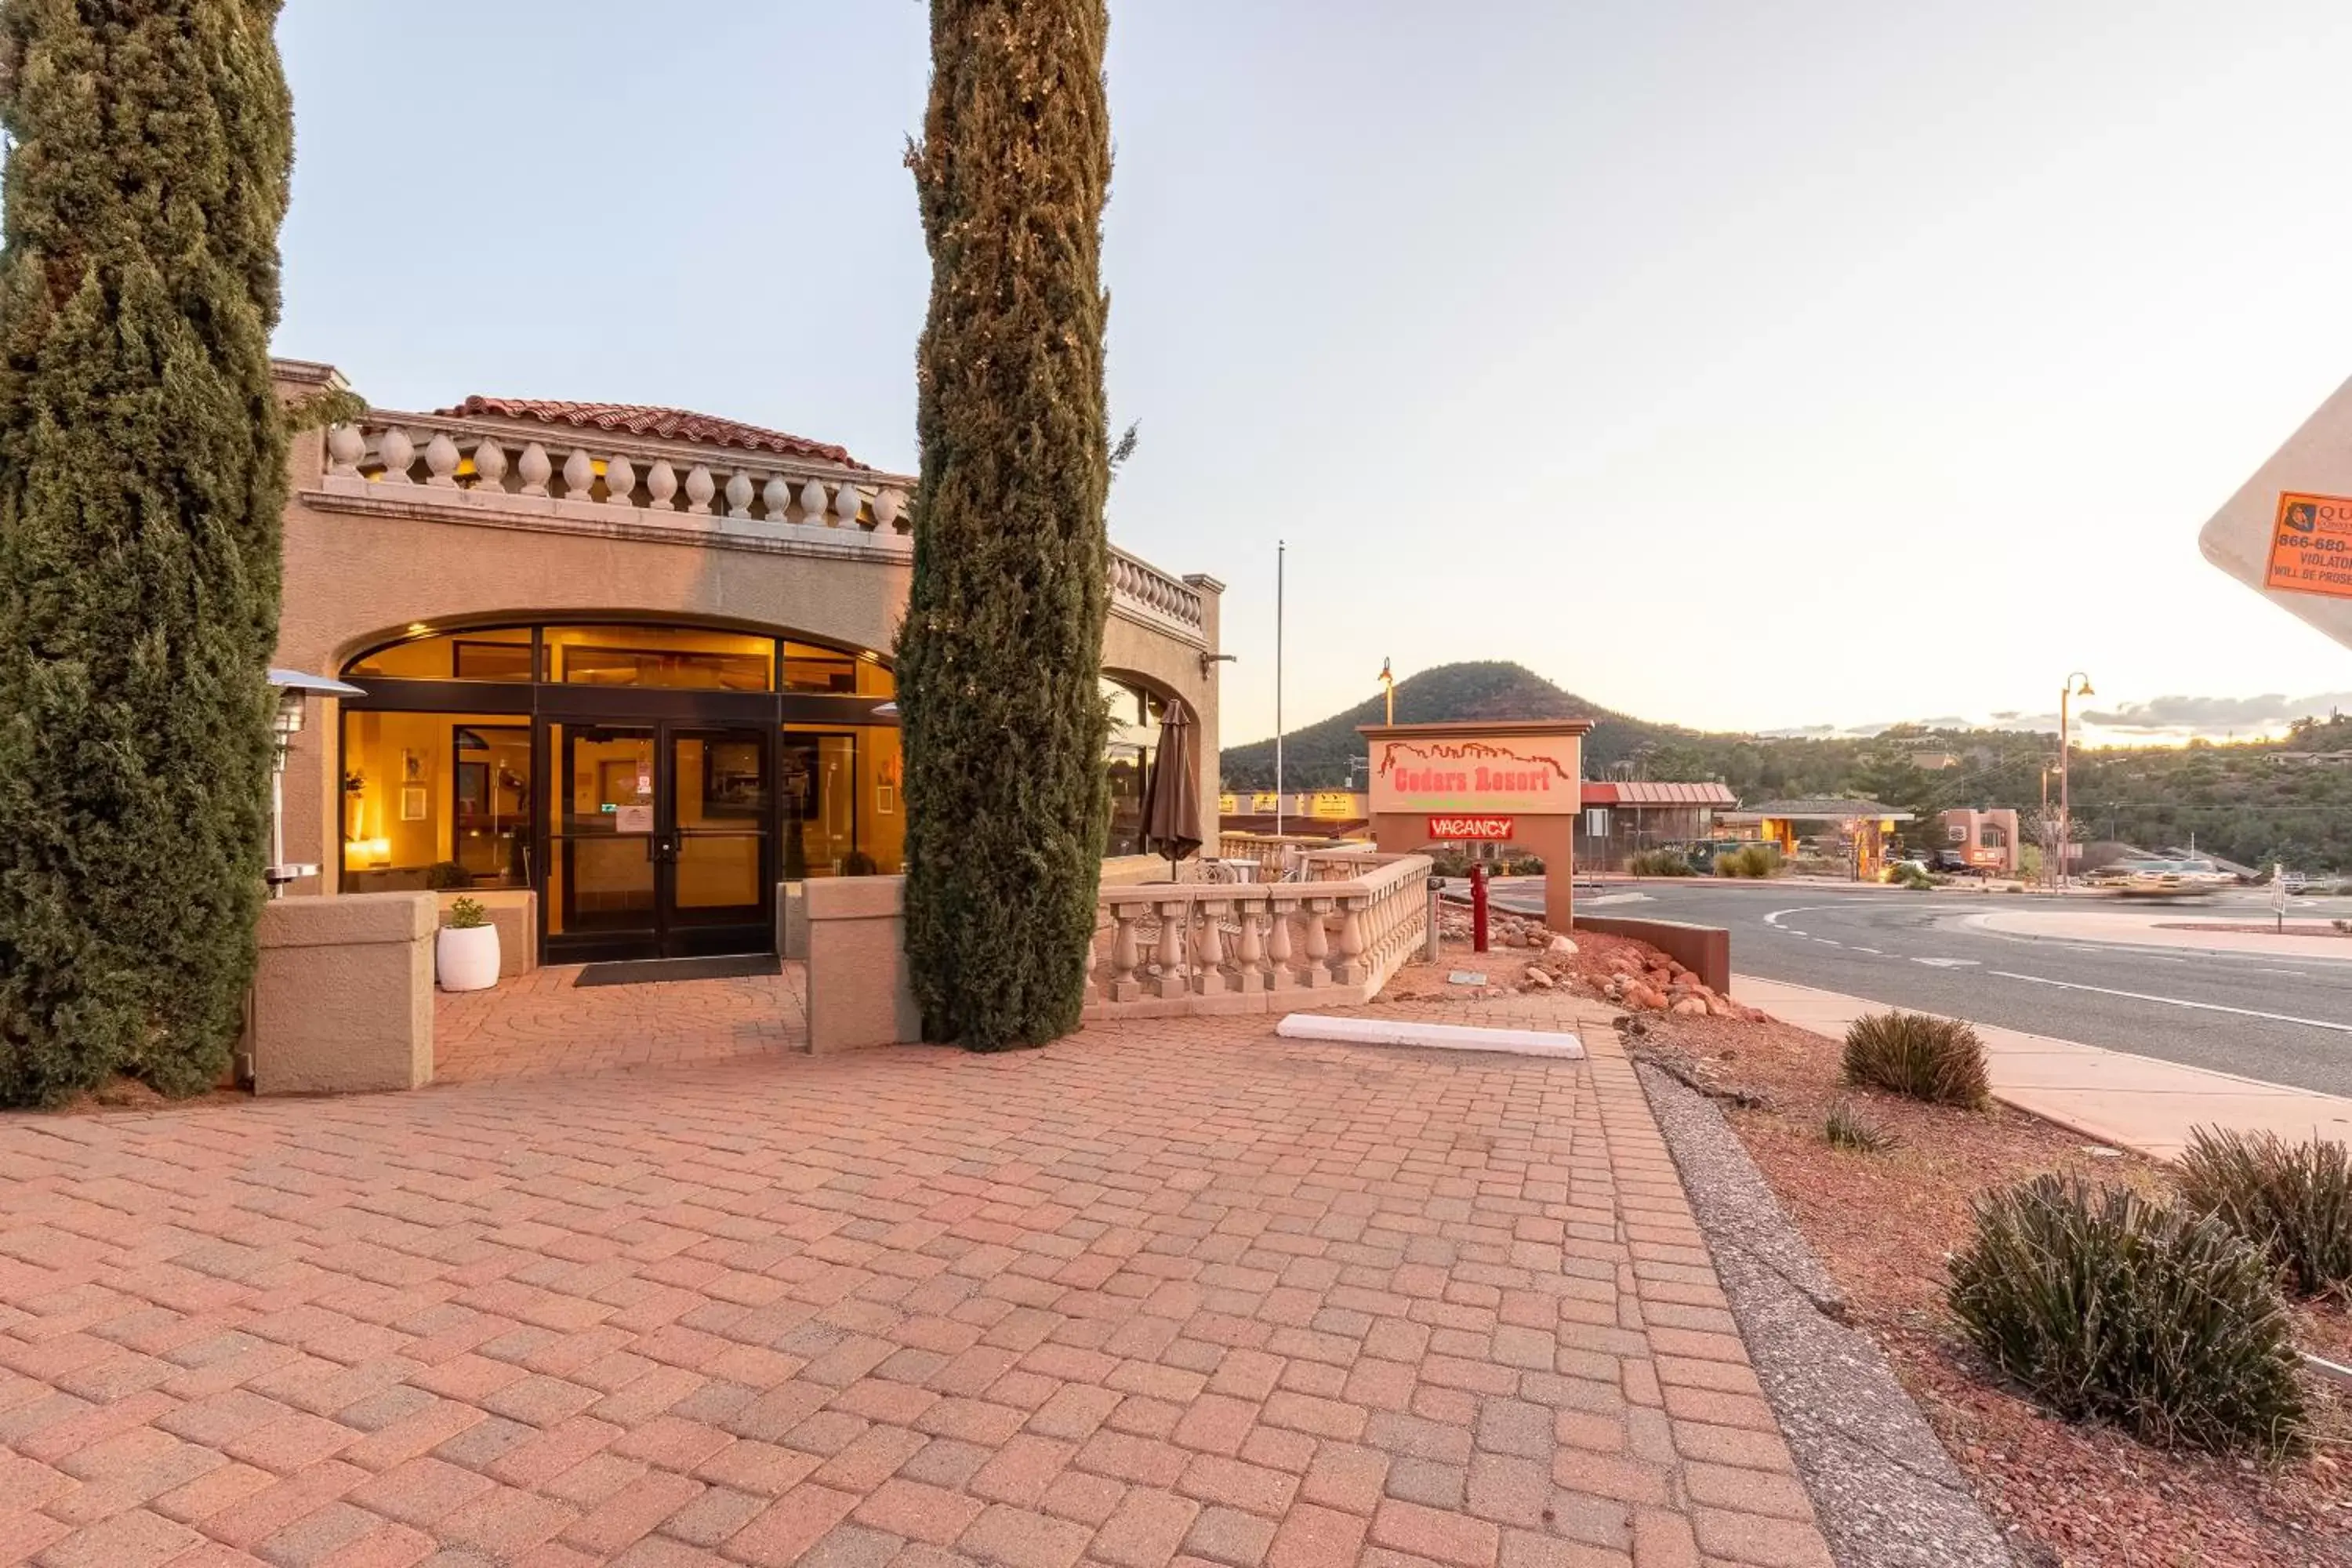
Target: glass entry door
<point>659,841</point>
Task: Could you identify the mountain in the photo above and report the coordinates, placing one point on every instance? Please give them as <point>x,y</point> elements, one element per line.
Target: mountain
<point>1317,757</point>
<point>2257,802</point>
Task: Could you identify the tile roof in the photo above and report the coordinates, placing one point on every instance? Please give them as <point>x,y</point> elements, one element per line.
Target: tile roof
<point>648,419</point>
<point>1644,792</point>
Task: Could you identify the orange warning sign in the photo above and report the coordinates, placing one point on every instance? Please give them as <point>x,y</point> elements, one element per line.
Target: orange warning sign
<point>2311,545</point>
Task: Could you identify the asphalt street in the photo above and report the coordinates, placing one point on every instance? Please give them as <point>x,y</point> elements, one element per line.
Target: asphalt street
<point>2276,1017</point>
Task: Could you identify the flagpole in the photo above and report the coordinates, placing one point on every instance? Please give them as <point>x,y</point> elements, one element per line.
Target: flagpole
<point>1281,549</point>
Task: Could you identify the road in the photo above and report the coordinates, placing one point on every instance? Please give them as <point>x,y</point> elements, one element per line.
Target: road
<point>2278,1018</point>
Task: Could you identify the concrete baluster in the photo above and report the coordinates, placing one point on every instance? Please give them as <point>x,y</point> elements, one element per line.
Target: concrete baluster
<point>1124,986</point>
<point>397,451</point>
<point>534,469</point>
<point>777,496</point>
<point>489,467</point>
<point>661,485</point>
<point>812,502</point>
<point>699,488</point>
<point>621,483</point>
<point>345,447</point>
<point>1174,913</point>
<point>1213,978</point>
<point>579,476</point>
<point>1250,954</point>
<point>1279,974</point>
<point>441,461</point>
<point>739,494</point>
<point>1317,970</point>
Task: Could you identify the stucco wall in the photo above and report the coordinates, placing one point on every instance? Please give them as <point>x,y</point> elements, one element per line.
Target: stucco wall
<point>354,577</point>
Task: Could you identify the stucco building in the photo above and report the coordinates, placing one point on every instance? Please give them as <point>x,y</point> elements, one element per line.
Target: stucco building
<point>634,661</point>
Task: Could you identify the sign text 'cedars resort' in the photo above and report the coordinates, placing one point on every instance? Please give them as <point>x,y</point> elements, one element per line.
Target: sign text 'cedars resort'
<point>1495,780</point>
<point>1480,780</point>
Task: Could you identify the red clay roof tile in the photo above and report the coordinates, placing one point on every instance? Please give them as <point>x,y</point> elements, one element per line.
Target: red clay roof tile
<point>646,419</point>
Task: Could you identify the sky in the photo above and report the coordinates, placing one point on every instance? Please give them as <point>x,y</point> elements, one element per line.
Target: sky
<point>1807,367</point>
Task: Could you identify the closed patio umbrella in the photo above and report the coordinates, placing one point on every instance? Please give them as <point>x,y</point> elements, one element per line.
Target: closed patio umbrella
<point>1172,798</point>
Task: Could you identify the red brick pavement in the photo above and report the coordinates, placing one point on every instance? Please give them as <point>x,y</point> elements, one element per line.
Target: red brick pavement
<point>1163,1292</point>
<point>542,1023</point>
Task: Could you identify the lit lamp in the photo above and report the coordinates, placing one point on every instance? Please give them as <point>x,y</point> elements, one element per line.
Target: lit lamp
<point>294,690</point>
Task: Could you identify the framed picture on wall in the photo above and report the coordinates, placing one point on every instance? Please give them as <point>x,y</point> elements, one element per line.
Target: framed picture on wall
<point>886,799</point>
<point>414,803</point>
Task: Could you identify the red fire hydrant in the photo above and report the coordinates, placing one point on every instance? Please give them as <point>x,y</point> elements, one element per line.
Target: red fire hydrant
<point>1477,906</point>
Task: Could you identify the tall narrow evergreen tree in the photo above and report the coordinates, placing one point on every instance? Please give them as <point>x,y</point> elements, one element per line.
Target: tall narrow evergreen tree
<point>141,488</point>
<point>1007,802</point>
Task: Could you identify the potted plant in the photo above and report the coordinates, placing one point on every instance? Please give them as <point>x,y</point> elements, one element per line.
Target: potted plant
<point>465,952</point>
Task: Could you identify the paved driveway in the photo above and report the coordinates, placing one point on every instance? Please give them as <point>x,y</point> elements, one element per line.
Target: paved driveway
<point>1161,1291</point>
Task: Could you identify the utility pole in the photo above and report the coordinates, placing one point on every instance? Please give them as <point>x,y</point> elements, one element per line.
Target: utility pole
<point>1281,549</point>
<point>2066,779</point>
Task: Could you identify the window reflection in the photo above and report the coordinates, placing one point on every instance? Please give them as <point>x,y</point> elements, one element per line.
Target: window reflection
<point>838,802</point>
<point>675,657</point>
<point>436,801</point>
<point>494,654</point>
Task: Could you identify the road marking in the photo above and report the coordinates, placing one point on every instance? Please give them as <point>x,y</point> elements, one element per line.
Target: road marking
<point>1948,962</point>
<point>2177,1002</point>
<point>1872,951</point>
<point>2291,974</point>
<point>1829,941</point>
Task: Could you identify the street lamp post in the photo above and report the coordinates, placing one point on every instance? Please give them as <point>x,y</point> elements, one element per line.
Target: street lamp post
<point>2077,685</point>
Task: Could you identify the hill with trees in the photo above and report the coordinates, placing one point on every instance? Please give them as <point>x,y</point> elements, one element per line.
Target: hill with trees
<point>2254,802</point>
<point>1317,757</point>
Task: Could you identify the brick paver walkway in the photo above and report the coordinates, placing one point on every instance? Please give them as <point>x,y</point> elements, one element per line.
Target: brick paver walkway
<point>1176,1291</point>
<point>542,1023</point>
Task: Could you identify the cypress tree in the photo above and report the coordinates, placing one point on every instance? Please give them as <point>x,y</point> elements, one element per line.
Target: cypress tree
<point>142,482</point>
<point>1007,801</point>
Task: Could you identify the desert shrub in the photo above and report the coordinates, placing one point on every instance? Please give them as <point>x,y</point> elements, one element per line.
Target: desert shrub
<point>1940,1060</point>
<point>2292,1200</point>
<point>1849,1127</point>
<point>1752,861</point>
<point>1910,874</point>
<point>2110,1306</point>
<point>1661,863</point>
<point>1447,862</point>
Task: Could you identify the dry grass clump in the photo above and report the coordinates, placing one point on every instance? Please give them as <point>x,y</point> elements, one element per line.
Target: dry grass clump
<point>2110,1306</point>
<point>2292,1200</point>
<point>1939,1060</point>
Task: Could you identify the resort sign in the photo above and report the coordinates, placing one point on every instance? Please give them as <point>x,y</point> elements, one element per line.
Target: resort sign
<point>2287,533</point>
<point>1493,781</point>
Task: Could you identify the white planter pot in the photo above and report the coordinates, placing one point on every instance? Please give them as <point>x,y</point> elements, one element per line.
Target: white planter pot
<point>466,959</point>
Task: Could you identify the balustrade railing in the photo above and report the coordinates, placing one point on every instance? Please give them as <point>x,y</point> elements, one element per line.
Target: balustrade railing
<point>1146,591</point>
<point>1210,947</point>
<point>470,464</point>
<point>591,474</point>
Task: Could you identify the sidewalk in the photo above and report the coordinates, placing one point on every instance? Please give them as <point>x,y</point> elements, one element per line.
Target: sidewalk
<point>2136,1102</point>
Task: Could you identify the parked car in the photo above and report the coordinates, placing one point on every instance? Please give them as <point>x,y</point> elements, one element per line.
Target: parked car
<point>1953,863</point>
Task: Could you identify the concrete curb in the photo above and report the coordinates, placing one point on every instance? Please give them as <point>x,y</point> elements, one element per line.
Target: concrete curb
<point>1887,1493</point>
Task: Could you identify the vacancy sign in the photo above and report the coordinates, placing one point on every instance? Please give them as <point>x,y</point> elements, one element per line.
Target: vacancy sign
<point>2288,532</point>
<point>1459,829</point>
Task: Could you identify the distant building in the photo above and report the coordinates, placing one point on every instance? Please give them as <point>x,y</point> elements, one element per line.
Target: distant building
<point>1989,839</point>
<point>1638,815</point>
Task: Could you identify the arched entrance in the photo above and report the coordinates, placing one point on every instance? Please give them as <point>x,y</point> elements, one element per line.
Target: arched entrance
<point>651,780</point>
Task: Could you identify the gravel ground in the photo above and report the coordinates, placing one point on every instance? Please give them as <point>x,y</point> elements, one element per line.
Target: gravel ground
<point>1887,1493</point>
<point>2080,1495</point>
